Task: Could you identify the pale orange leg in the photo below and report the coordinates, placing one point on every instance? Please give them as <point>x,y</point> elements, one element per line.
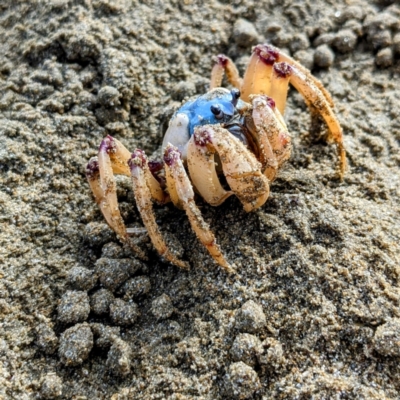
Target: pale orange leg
<point>114,218</point>
<point>175,171</point>
<point>273,137</point>
<point>257,77</point>
<point>112,215</point>
<point>285,58</point>
<point>313,95</point>
<point>112,158</point>
<point>140,173</point>
<point>224,64</point>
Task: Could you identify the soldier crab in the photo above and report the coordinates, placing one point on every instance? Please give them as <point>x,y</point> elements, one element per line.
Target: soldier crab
<point>239,133</point>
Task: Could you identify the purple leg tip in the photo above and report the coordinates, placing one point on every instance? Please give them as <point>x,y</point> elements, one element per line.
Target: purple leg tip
<point>222,60</point>
<point>108,144</point>
<point>283,69</point>
<point>267,53</point>
<point>92,169</point>
<point>171,155</point>
<point>138,159</point>
<point>271,102</point>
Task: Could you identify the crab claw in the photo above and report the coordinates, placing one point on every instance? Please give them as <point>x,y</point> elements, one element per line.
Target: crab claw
<point>240,167</point>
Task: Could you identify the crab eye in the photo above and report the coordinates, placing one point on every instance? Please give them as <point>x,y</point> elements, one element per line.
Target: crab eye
<point>216,110</point>
<point>235,96</point>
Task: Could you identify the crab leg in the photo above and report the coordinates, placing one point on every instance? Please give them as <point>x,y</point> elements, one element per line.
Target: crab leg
<point>315,97</point>
<point>280,78</point>
<point>282,57</point>
<point>113,159</point>
<point>240,167</point>
<point>273,137</point>
<point>109,209</point>
<point>257,78</point>
<point>285,73</point>
<point>140,172</point>
<point>224,65</point>
<point>176,172</point>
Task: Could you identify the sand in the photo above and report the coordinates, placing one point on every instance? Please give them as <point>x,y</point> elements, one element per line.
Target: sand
<point>313,312</point>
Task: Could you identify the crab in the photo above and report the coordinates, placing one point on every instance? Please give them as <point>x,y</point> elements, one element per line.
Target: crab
<point>238,133</point>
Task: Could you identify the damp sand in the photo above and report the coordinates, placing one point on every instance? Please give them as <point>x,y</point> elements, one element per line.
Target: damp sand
<point>313,311</point>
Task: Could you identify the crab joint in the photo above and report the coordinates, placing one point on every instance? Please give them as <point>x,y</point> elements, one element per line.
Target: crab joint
<point>92,169</point>
<point>108,145</point>
<point>155,166</point>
